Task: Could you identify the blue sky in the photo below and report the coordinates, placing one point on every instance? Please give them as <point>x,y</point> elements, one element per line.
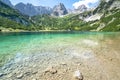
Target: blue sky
<point>68,3</point>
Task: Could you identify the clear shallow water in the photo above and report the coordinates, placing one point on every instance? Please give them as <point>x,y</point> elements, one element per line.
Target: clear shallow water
<point>39,42</point>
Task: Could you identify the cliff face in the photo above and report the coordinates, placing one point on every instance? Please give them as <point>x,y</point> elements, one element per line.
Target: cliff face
<point>80,9</point>
<point>59,10</point>
<point>107,5</point>
<point>29,9</point>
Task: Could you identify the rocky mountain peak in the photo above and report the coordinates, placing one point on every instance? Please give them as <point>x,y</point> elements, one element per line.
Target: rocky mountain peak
<point>81,8</point>
<point>59,10</point>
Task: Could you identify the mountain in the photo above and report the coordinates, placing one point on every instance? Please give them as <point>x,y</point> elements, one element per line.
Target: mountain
<point>107,5</point>
<point>110,10</point>
<point>105,16</point>
<point>104,8</point>
<point>80,9</point>
<point>11,18</point>
<point>29,9</point>
<point>7,2</point>
<point>59,10</point>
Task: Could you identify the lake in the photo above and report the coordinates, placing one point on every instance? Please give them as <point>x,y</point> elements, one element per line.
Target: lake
<point>95,54</point>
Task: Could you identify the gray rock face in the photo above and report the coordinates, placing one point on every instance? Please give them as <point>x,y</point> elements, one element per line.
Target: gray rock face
<point>7,2</point>
<point>43,10</point>
<point>27,9</point>
<point>70,11</point>
<point>31,10</point>
<point>59,10</point>
<point>107,5</point>
<point>81,8</point>
<point>115,4</point>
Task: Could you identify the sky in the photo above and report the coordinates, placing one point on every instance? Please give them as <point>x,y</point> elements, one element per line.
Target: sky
<point>70,4</point>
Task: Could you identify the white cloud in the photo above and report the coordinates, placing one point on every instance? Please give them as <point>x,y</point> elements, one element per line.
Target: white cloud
<point>85,2</point>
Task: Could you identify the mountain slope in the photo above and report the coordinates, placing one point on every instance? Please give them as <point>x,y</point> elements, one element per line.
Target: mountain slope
<point>7,2</point>
<point>110,20</point>
<point>11,18</point>
<point>69,22</point>
<point>107,5</point>
<point>105,17</point>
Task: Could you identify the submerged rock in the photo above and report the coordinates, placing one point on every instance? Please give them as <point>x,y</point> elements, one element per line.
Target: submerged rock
<point>19,76</point>
<point>34,72</point>
<point>51,70</point>
<point>34,79</point>
<point>63,63</point>
<point>1,74</point>
<point>78,75</point>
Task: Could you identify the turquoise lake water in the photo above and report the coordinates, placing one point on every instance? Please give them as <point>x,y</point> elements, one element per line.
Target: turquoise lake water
<point>37,42</point>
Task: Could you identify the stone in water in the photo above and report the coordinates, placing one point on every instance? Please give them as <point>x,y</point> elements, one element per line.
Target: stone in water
<point>78,75</point>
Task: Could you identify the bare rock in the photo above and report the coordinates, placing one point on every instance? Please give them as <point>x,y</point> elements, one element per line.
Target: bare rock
<point>19,76</point>
<point>1,74</point>
<point>78,75</point>
<point>63,63</point>
<point>34,66</point>
<point>59,10</point>
<point>34,72</point>
<point>34,79</point>
<point>9,75</point>
<point>51,70</point>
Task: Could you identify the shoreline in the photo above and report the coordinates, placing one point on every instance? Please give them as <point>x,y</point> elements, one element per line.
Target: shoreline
<point>20,30</point>
<point>52,31</point>
<point>59,58</point>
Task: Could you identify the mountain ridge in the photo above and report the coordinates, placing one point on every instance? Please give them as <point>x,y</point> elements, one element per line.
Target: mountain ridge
<point>103,18</point>
<point>31,10</point>
<point>57,10</point>
<point>93,20</point>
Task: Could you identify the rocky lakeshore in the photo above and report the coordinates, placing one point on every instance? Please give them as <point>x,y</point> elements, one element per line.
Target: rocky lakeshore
<point>58,57</point>
<point>94,62</point>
